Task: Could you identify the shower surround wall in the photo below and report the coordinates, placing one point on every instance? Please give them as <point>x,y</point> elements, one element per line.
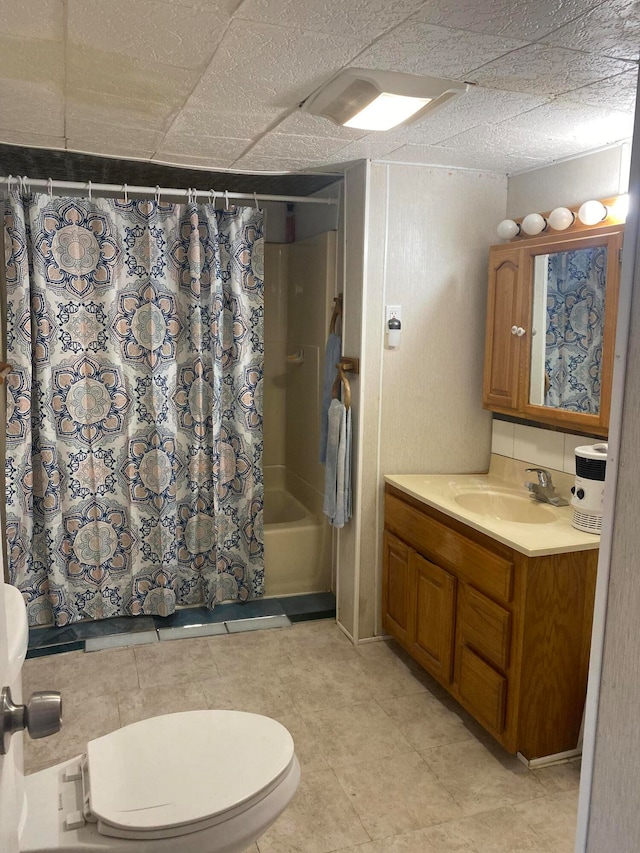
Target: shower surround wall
<point>299,288</point>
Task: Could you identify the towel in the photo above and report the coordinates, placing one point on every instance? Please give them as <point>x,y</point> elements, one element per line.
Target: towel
<point>331,358</point>
<point>337,481</point>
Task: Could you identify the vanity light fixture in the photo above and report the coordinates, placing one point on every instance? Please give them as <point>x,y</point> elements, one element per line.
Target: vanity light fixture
<point>507,229</point>
<point>561,218</point>
<point>620,207</point>
<point>534,224</point>
<point>379,100</point>
<point>592,212</point>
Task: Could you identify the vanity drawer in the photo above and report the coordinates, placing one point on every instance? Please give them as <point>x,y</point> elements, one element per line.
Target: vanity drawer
<point>482,689</point>
<point>484,625</point>
<point>444,546</point>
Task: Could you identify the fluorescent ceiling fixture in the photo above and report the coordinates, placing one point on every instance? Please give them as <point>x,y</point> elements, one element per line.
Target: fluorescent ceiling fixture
<point>387,110</point>
<point>379,100</point>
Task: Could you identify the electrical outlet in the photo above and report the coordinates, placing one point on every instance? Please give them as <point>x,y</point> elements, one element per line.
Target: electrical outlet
<point>393,311</point>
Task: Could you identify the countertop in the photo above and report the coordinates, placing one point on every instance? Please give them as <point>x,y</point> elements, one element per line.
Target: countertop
<point>553,535</point>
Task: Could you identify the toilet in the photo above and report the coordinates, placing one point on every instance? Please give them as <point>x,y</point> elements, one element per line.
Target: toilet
<point>191,782</point>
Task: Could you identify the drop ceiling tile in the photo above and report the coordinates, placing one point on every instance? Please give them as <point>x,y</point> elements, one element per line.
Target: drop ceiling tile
<point>369,149</point>
<point>169,158</point>
<point>477,106</point>
<point>174,35</point>
<point>33,19</point>
<point>251,163</point>
<point>304,124</point>
<point>612,29</point>
<point>582,125</point>
<point>419,48</point>
<point>514,18</point>
<point>33,140</point>
<point>544,70</point>
<point>106,148</point>
<point>309,149</point>
<point>210,147</point>
<point>361,19</point>
<point>259,66</point>
<point>108,139</point>
<point>502,162</point>
<point>29,107</point>
<point>618,93</point>
<point>132,77</point>
<point>498,138</point>
<point>32,60</point>
<point>203,120</point>
<point>84,105</point>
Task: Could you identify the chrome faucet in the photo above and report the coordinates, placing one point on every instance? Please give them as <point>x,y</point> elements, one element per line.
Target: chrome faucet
<point>544,490</point>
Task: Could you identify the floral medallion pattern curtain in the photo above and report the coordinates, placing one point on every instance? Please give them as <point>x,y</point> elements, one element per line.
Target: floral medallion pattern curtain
<point>134,407</point>
<point>575,320</point>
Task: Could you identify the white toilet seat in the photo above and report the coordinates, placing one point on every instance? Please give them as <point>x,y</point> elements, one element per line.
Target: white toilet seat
<point>141,786</point>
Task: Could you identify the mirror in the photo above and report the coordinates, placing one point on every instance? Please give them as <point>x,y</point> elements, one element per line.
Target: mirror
<point>568,312</point>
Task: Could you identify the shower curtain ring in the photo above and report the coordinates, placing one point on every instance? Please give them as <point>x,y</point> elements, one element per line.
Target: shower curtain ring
<point>50,187</point>
<point>157,194</point>
<point>195,195</point>
<point>125,190</point>
<point>226,199</point>
<point>255,198</point>
<point>90,192</point>
<point>9,183</point>
<point>212,193</point>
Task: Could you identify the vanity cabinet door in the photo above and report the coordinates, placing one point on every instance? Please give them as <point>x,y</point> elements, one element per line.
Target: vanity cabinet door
<point>397,589</point>
<point>433,618</point>
<point>505,333</point>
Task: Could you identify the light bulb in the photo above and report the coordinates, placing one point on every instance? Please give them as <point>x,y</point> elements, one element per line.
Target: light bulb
<point>561,218</point>
<point>592,212</point>
<point>508,229</point>
<point>533,224</point>
<point>620,207</point>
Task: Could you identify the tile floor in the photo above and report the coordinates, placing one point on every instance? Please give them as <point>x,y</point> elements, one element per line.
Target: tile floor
<point>389,763</point>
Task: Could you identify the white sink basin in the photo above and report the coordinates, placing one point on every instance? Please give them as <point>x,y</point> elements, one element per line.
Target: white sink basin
<point>505,506</point>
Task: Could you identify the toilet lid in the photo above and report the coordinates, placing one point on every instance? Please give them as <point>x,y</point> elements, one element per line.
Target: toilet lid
<point>178,770</point>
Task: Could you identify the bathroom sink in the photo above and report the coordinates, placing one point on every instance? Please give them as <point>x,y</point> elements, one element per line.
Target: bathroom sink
<point>505,506</point>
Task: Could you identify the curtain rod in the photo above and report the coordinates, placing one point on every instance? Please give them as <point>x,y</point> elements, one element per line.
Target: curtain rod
<point>130,189</point>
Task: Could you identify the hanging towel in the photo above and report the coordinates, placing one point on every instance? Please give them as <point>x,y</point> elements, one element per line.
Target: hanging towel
<point>337,480</point>
<point>331,358</point>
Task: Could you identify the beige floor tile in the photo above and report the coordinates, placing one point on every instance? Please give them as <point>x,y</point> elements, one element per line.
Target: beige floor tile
<point>260,693</point>
<point>553,819</point>
<point>396,794</point>
<point>498,831</point>
<point>308,745</point>
<point>391,677</point>
<point>309,642</point>
<point>356,733</point>
<point>91,673</point>
<point>559,777</point>
<point>249,653</point>
<point>319,819</point>
<point>174,662</point>
<point>482,779</point>
<point>337,684</point>
<point>426,722</point>
<point>155,701</point>
<point>434,840</point>
<point>83,718</point>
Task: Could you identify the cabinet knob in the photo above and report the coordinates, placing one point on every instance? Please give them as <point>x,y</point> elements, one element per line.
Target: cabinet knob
<point>514,330</point>
<point>520,331</point>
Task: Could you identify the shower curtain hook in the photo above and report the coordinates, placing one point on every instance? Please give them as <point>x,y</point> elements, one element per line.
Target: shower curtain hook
<point>50,187</point>
<point>157,194</point>
<point>226,199</point>
<point>212,193</point>
<point>90,192</point>
<point>195,195</point>
<point>9,182</point>
<point>255,198</point>
<point>24,184</point>
<point>125,189</point>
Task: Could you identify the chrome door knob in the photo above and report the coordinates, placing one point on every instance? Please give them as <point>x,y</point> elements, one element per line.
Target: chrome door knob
<point>41,716</point>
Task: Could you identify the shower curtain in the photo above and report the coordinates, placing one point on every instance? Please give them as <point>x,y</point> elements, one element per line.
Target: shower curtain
<point>575,321</point>
<point>134,407</point>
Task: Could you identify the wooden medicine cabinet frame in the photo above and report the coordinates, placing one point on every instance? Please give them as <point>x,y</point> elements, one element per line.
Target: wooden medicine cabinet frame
<point>507,365</point>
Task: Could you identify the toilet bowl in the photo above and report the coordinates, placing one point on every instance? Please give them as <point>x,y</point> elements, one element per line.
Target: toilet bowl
<point>192,782</point>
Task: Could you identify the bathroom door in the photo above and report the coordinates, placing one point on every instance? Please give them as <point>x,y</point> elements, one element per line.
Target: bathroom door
<point>9,809</point>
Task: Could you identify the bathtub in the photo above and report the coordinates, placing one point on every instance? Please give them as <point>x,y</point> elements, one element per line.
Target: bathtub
<point>297,546</point>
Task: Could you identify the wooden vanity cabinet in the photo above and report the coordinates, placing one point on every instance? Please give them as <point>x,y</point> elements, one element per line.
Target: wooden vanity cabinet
<point>507,635</point>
